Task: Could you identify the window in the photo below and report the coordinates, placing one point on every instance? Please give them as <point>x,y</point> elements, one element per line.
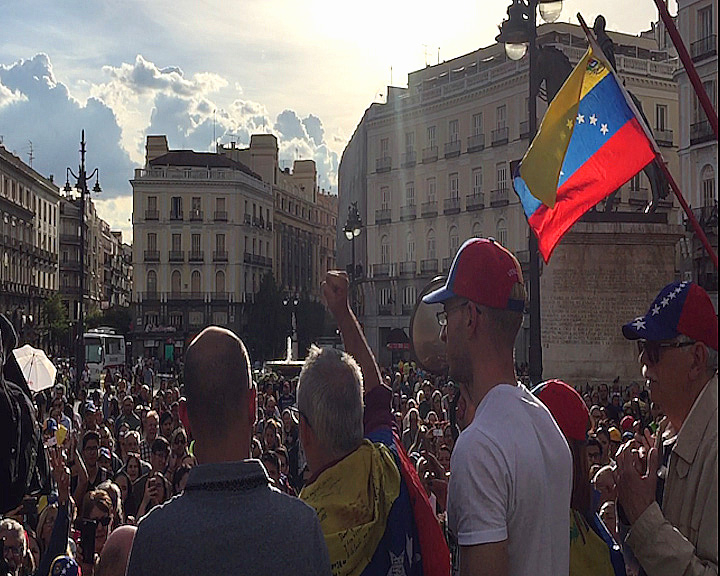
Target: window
<point>477,181</point>
<point>176,242</point>
<point>195,282</point>
<point>409,296</point>
<point>431,189</point>
<point>220,204</point>
<point>708,186</point>
<point>195,243</point>
<point>385,297</point>
<point>430,244</point>
<point>385,198</point>
<point>705,22</point>
<point>409,142</point>
<point>152,203</point>
<point>454,240</point>
<point>151,282</point>
<point>384,250</point>
<point>410,248</point>
<point>453,131</point>
<point>501,232</point>
<point>431,139</point>
<point>152,241</point>
<point>501,171</point>
<point>410,194</point>
<point>501,117</point>
<point>176,207</point>
<point>453,185</point>
<point>196,204</point>
<point>477,230</point>
<point>477,121</point>
<point>661,111</point>
<point>384,147</point>
<point>220,242</point>
<point>175,282</point>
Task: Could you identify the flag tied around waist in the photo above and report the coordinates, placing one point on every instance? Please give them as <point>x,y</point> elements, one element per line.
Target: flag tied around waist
<point>589,144</point>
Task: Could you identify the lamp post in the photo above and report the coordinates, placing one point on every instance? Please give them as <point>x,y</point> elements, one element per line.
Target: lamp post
<point>352,230</point>
<point>81,179</point>
<point>519,33</point>
<point>292,349</point>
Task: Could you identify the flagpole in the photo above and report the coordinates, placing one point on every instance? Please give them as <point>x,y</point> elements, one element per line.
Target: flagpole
<point>689,67</point>
<point>658,156</point>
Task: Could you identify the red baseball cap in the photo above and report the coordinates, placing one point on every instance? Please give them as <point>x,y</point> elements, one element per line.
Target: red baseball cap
<point>567,407</point>
<point>484,272</point>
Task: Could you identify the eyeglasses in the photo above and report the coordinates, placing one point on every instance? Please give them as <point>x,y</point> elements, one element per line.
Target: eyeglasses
<point>652,349</point>
<point>104,521</point>
<point>442,316</point>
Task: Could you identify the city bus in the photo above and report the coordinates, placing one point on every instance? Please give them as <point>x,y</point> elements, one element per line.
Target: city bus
<point>103,349</point>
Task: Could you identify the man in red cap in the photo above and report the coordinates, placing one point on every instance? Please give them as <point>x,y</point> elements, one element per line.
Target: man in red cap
<point>677,342</point>
<point>511,481</point>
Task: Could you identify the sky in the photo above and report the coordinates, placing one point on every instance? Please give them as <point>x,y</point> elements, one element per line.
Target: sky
<point>206,70</point>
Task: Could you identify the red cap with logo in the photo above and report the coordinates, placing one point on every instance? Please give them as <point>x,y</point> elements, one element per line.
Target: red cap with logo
<point>567,407</point>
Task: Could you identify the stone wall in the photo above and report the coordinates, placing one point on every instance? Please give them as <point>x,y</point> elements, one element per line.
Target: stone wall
<point>601,275</point>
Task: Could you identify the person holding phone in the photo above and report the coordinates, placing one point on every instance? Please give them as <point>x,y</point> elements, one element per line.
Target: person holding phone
<point>94,524</point>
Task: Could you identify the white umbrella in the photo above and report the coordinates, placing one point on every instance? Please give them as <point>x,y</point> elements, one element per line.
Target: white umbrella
<point>36,367</point>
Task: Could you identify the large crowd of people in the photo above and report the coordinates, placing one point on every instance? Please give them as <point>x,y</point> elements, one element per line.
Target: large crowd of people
<point>352,468</point>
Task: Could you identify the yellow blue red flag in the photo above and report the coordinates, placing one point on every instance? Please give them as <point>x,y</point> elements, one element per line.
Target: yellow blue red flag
<point>589,144</point>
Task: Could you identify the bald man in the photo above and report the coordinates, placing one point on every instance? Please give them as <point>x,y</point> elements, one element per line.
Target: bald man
<point>228,519</point>
<point>115,553</point>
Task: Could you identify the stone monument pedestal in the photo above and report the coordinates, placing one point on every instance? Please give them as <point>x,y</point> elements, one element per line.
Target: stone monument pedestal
<point>604,272</point>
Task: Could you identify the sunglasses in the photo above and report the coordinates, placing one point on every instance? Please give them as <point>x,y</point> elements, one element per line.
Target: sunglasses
<point>442,316</point>
<point>653,349</point>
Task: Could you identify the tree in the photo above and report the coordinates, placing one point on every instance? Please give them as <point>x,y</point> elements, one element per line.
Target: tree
<point>55,317</point>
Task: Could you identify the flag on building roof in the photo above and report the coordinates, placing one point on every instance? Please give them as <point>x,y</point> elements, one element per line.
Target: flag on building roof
<point>589,144</point>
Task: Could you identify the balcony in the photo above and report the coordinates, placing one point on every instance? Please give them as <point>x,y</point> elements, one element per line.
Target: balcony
<point>525,129</point>
<point>247,220</point>
<point>196,256</point>
<point>385,309</point>
<point>429,154</point>
<point>451,205</point>
<point>152,214</point>
<point>151,296</point>
<point>703,48</point>
<point>446,263</point>
<point>381,270</point>
<point>196,215</point>
<point>476,143</point>
<point>429,209</point>
<point>701,132</point>
<point>220,256</point>
<point>383,164</point>
<point>409,159</point>
<point>663,137</point>
<point>64,239</point>
<point>219,296</point>
<point>638,196</point>
<point>176,215</point>
<point>499,197</point>
<point>408,212</point>
<point>70,266</point>
<point>452,149</point>
<point>408,268</point>
<point>152,255</point>
<point>176,256</point>
<point>429,266</point>
<point>523,256</point>
<point>500,136</point>
<point>220,216</point>
<point>383,216</point>
<point>475,201</point>
<point>407,309</point>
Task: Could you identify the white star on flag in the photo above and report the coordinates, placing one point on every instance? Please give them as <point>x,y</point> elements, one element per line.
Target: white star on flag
<point>639,324</point>
<point>656,310</point>
<point>593,120</point>
<point>604,129</point>
<point>664,302</point>
<point>562,173</point>
<point>580,119</point>
<point>672,295</point>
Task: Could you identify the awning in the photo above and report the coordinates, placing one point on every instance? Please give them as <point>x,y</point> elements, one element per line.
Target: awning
<point>398,340</point>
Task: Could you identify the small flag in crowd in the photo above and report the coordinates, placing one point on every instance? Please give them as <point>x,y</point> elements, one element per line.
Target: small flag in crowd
<point>589,144</point>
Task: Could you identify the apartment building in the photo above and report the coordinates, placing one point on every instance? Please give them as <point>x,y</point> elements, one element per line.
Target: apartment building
<point>698,147</point>
<point>28,245</point>
<point>432,166</point>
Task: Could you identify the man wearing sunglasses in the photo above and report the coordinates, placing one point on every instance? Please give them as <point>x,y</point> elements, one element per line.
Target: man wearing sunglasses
<point>677,345</point>
<point>511,479</point>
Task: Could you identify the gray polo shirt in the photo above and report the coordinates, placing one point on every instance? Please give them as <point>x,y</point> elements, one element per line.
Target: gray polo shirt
<point>230,520</point>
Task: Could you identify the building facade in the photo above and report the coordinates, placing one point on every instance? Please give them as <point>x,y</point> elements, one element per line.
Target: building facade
<point>29,206</point>
<point>432,166</point>
<point>698,147</point>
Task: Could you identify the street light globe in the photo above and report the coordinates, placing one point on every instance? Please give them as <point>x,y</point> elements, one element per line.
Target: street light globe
<point>516,51</point>
<point>356,231</point>
<point>349,233</point>
<point>550,11</point>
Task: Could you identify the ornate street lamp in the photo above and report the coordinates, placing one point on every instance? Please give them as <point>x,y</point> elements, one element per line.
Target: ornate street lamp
<point>292,348</point>
<point>353,228</point>
<point>519,33</point>
<point>81,186</point>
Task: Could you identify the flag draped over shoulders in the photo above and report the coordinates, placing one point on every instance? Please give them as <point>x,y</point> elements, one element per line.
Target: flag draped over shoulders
<point>589,144</point>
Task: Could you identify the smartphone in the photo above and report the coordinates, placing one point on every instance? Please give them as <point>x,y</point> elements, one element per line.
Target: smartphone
<point>87,538</point>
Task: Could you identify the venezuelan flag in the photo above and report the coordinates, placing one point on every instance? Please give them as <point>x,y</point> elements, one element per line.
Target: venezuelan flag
<point>589,144</point>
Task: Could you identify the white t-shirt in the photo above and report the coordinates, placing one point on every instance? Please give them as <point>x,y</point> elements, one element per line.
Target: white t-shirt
<point>512,480</point>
